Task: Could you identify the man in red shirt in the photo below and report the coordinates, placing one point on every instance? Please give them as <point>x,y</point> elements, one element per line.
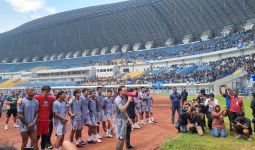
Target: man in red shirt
<point>45,107</point>
<point>236,106</point>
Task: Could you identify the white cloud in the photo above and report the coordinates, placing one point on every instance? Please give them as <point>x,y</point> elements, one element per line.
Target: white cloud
<point>51,10</point>
<point>25,6</point>
<point>33,8</point>
<point>35,16</point>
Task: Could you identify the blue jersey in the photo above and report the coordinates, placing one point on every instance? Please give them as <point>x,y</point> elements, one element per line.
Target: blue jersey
<point>76,107</point>
<point>85,105</point>
<point>59,107</point>
<point>93,106</point>
<point>107,104</point>
<point>119,102</point>
<point>176,99</point>
<point>144,98</point>
<point>99,100</point>
<point>227,100</point>
<point>29,108</point>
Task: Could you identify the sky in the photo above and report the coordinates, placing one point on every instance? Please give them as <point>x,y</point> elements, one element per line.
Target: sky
<point>14,13</point>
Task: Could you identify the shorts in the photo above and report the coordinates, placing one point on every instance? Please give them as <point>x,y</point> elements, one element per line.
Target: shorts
<point>60,129</point>
<point>12,112</point>
<point>43,127</point>
<point>150,109</point>
<point>100,116</point>
<point>107,116</point>
<point>120,128</point>
<point>23,128</point>
<point>76,124</point>
<point>93,118</point>
<point>232,116</point>
<point>86,120</point>
<point>145,108</point>
<point>1,107</point>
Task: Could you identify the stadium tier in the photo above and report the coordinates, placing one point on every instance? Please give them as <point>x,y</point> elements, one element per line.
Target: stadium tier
<point>129,22</point>
<point>216,44</point>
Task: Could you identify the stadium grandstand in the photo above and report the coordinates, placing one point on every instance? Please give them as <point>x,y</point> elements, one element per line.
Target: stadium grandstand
<point>126,67</point>
<point>132,42</point>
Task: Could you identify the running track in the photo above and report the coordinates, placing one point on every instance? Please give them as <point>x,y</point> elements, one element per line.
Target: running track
<point>147,138</point>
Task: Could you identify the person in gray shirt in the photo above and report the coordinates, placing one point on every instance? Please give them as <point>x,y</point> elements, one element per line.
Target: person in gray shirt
<point>121,117</point>
<point>59,110</point>
<point>28,113</point>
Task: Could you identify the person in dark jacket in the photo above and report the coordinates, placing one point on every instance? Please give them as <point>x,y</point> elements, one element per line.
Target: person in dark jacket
<point>184,96</point>
<point>253,109</point>
<point>181,124</point>
<point>131,117</point>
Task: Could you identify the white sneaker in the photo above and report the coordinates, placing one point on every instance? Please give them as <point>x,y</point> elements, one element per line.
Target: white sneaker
<point>136,126</point>
<point>93,138</point>
<point>150,122</point>
<point>108,135</point>
<point>142,122</point>
<point>6,126</point>
<point>98,136</point>
<point>98,140</point>
<point>238,136</point>
<point>15,125</point>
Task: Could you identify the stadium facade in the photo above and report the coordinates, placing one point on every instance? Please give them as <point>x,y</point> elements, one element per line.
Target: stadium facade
<point>129,22</point>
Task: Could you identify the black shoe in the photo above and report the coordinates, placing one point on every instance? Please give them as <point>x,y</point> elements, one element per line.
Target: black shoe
<point>91,142</point>
<point>130,147</point>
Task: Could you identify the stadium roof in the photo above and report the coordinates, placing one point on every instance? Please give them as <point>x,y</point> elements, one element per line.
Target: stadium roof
<point>121,23</point>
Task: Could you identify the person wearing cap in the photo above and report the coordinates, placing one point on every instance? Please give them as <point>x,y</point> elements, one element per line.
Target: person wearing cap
<point>201,102</point>
<point>11,102</point>
<point>45,108</point>
<point>195,121</point>
<point>252,105</point>
<point>218,125</point>
<point>242,126</point>
<point>210,103</point>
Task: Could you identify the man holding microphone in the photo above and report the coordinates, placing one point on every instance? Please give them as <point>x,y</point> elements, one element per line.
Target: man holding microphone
<point>121,117</point>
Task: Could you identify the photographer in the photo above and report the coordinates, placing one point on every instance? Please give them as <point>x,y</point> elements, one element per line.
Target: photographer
<point>218,125</point>
<point>203,109</point>
<point>253,109</point>
<point>196,121</point>
<point>210,103</point>
<point>181,124</point>
<point>242,127</point>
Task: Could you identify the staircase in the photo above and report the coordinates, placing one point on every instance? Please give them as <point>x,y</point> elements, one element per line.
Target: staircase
<point>11,82</point>
<point>227,80</point>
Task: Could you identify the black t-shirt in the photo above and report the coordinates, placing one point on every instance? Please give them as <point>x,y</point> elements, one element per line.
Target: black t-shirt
<point>201,101</point>
<point>131,110</point>
<point>195,119</point>
<point>253,107</point>
<point>183,117</point>
<point>246,122</point>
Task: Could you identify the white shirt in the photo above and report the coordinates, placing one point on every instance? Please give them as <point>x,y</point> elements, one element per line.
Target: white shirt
<point>211,103</point>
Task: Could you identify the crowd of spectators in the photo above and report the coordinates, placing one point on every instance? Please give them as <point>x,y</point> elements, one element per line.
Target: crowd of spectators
<point>216,70</point>
<point>238,39</point>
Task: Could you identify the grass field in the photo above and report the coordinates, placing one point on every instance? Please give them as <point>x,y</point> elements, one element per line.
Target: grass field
<point>194,142</point>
